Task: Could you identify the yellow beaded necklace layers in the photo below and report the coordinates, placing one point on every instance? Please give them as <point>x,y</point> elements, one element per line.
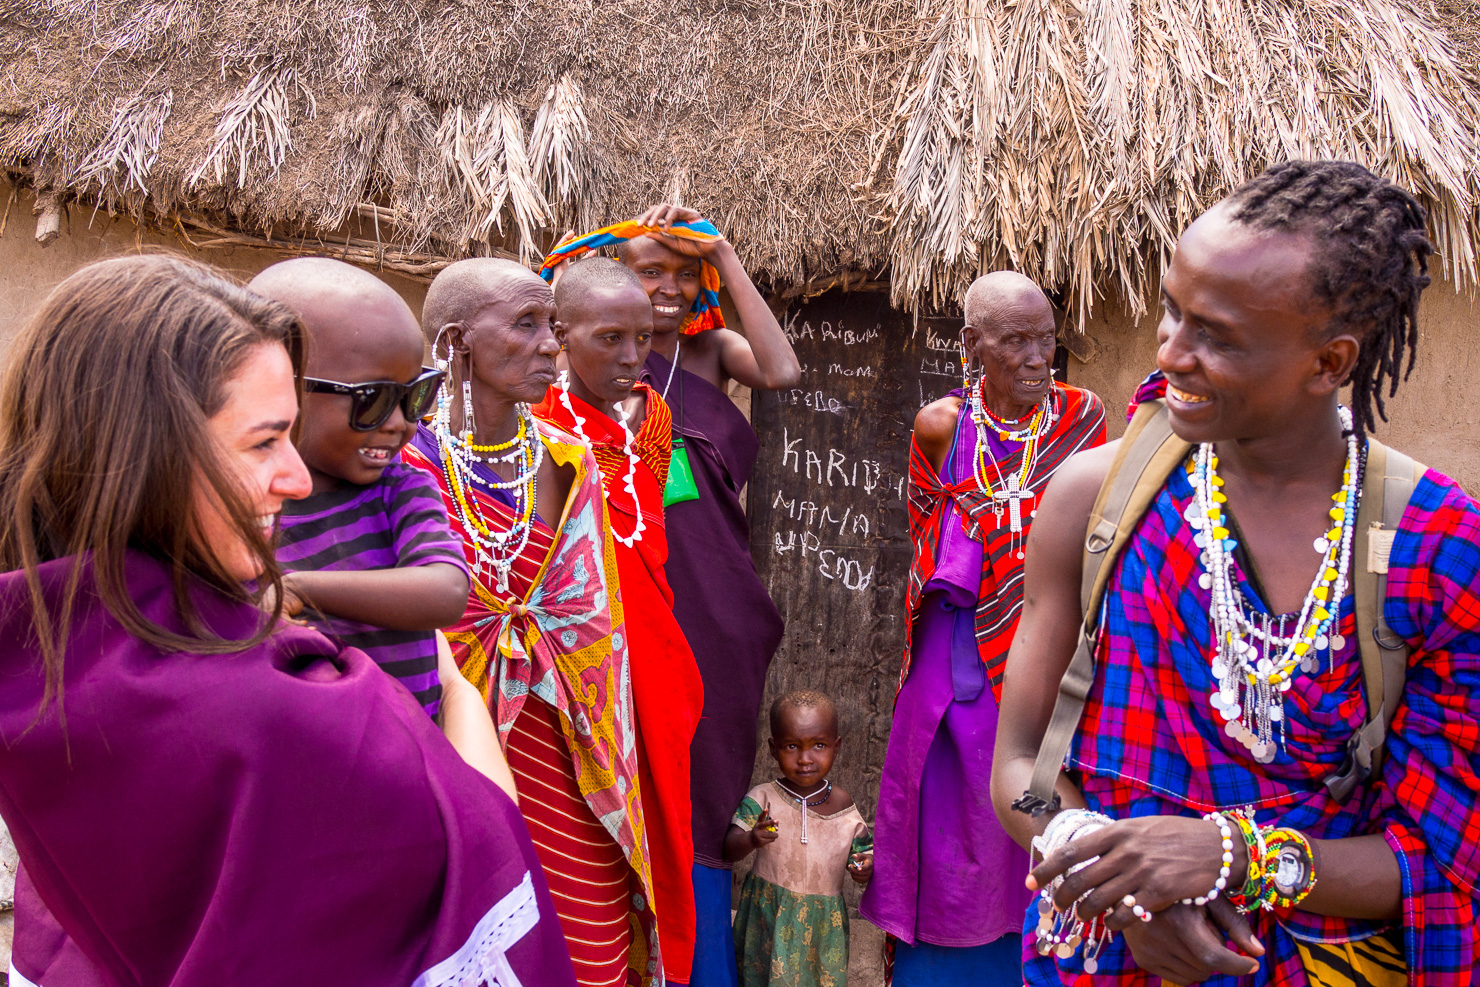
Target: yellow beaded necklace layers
<point>1253,660</point>
<point>1011,491</point>
<point>494,551</point>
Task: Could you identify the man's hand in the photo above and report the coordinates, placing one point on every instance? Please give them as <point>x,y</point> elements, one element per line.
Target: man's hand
<point>861,867</point>
<point>764,830</point>
<point>1160,860</point>
<point>1187,945</point>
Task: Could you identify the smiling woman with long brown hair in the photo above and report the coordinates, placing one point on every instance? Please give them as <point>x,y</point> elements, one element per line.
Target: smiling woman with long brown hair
<point>201,794</point>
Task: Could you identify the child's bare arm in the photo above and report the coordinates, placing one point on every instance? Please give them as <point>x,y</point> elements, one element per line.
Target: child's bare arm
<point>467,725</point>
<point>414,598</point>
<point>741,843</point>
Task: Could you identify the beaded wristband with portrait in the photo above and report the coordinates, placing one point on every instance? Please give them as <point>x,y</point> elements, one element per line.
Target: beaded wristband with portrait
<point>1289,863</point>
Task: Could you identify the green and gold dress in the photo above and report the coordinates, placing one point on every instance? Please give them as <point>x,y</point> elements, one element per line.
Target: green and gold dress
<point>791,929</point>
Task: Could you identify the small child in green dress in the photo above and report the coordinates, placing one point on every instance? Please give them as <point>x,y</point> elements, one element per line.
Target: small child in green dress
<point>791,929</point>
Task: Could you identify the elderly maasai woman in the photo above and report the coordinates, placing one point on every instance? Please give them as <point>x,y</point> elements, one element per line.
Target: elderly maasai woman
<point>604,325</point>
<point>944,883</point>
<point>543,636</point>
<point>719,599</point>
<point>1228,678</point>
<point>201,794</point>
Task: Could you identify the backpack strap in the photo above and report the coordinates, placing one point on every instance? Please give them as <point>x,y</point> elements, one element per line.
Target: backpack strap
<point>1147,455</point>
<point>1387,487</point>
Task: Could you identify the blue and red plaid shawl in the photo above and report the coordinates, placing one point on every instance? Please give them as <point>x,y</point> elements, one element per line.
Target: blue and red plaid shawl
<point>1150,743</point>
<point>1080,425</point>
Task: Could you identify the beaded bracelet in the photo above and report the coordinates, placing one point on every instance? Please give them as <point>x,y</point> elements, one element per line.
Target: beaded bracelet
<point>1244,897</point>
<point>1226,868</point>
<point>1289,867</point>
<point>1062,933</point>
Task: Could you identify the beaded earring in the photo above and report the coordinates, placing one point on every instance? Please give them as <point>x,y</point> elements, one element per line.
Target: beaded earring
<point>468,428</point>
<point>966,382</point>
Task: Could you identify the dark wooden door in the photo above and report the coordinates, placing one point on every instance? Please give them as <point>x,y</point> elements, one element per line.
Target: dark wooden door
<point>829,529</point>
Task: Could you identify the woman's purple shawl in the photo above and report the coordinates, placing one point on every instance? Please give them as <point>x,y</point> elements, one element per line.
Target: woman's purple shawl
<point>282,815</point>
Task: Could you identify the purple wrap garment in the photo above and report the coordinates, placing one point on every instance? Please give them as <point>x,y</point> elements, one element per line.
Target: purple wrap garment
<point>945,872</point>
<point>719,599</point>
<point>285,814</point>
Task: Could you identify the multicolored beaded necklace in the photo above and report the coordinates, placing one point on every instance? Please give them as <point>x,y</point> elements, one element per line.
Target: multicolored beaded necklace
<point>1253,661</point>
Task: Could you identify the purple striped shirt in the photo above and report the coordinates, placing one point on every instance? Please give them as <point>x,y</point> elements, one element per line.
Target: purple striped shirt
<point>394,523</point>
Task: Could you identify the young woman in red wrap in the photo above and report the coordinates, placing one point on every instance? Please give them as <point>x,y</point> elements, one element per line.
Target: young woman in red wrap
<point>604,326</point>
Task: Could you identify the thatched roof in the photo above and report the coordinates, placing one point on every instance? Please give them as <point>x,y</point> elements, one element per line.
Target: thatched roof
<point>868,139</point>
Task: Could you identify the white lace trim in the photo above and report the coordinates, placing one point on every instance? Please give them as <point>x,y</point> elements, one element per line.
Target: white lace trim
<point>481,960</point>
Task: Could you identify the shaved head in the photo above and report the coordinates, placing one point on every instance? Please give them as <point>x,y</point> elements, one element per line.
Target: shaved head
<point>358,326</point>
<point>467,287</point>
<point>992,297</point>
<point>586,281</point>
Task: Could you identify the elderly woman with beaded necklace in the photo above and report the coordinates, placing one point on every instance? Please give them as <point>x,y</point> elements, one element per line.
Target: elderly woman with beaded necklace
<point>1198,808</point>
<point>543,636</point>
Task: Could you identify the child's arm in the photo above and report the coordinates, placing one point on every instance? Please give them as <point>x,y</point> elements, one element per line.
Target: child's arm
<point>467,725</point>
<point>861,853</point>
<point>741,842</point>
<point>412,598</point>
<point>428,587</point>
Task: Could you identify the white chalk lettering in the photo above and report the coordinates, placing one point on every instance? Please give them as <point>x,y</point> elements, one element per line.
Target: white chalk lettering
<point>789,451</point>
<point>940,343</point>
<point>814,460</point>
<point>835,461</point>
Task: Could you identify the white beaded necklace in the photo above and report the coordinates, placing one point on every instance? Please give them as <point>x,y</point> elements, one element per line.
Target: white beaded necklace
<point>1013,490</point>
<point>494,551</point>
<point>630,482</point>
<point>1251,684</point>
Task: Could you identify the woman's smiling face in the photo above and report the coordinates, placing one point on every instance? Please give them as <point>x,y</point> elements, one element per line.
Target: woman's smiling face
<point>671,279</point>
<point>252,432</point>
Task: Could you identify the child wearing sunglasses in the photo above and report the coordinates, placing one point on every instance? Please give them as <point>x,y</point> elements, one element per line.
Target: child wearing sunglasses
<point>368,556</point>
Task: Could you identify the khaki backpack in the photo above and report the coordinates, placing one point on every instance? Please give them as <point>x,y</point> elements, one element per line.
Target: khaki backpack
<point>1147,455</point>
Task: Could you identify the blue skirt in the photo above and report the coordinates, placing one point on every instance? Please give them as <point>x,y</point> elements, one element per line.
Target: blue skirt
<point>997,964</point>
<point>714,942</point>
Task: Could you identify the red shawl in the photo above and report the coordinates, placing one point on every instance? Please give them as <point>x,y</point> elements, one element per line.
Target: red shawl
<point>667,693</point>
<point>1080,425</point>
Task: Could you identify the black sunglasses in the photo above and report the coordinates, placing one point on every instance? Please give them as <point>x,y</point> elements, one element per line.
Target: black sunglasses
<point>374,400</point>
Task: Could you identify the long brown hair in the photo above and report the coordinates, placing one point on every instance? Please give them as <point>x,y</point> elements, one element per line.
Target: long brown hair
<point>104,440</point>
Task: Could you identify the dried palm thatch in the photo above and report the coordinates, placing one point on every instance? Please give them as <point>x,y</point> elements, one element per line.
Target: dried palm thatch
<point>1073,139</point>
<point>838,142</point>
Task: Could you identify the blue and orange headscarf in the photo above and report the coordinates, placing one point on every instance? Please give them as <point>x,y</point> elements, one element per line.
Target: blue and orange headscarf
<point>705,313</point>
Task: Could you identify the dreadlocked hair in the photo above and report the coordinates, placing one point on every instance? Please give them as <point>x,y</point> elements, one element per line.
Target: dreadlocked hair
<point>1371,265</point>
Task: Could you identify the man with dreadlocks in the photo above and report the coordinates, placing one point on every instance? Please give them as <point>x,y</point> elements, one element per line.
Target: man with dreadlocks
<point>1203,804</point>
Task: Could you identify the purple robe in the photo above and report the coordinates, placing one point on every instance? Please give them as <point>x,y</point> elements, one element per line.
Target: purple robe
<point>945,871</point>
<point>719,599</point>
<point>281,815</point>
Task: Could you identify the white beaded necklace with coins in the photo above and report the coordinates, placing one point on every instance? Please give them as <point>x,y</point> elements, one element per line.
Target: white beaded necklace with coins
<point>1253,661</point>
